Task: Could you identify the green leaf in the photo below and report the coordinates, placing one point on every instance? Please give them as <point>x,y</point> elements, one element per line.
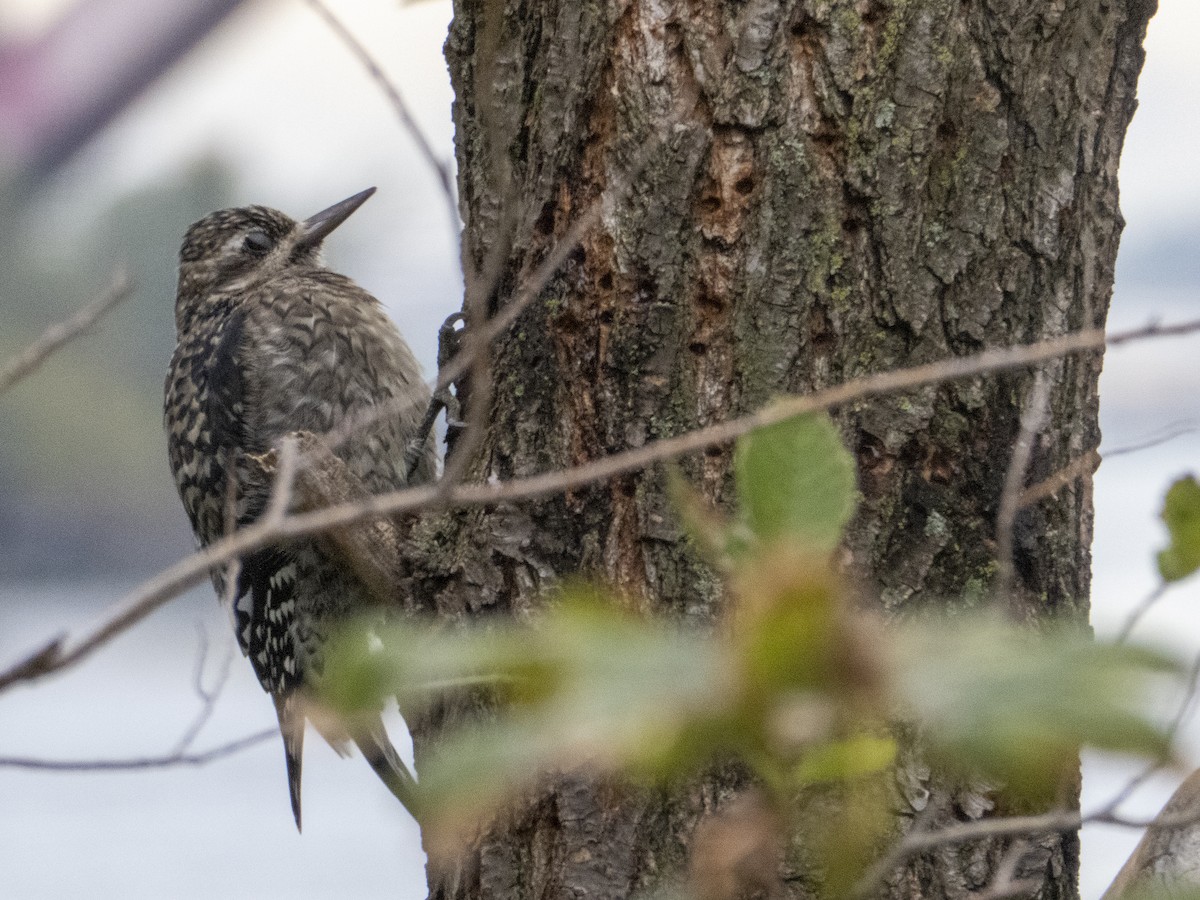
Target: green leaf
<point>589,685</point>
<point>1018,705</point>
<point>795,480</point>
<point>854,757</point>
<point>1181,513</point>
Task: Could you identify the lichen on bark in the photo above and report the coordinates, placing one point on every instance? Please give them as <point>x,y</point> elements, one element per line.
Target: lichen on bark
<point>796,192</point>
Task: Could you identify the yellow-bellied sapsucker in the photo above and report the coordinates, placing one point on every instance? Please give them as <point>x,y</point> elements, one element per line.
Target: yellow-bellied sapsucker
<point>270,342</point>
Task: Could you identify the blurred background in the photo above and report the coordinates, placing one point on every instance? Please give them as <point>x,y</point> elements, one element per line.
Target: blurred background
<point>123,121</point>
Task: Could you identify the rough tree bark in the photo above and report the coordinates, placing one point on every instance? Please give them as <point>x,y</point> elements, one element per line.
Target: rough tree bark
<point>802,191</point>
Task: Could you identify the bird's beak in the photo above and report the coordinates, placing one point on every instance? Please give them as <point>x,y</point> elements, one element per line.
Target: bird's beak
<point>316,228</point>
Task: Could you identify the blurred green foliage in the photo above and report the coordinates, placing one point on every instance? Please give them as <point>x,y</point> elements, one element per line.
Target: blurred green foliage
<point>1181,514</point>
<point>798,682</point>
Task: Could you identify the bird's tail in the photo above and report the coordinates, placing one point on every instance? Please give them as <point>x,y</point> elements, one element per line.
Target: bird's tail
<point>377,747</point>
<point>291,726</point>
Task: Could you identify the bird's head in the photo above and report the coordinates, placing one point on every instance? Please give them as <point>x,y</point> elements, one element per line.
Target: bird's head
<point>233,248</point>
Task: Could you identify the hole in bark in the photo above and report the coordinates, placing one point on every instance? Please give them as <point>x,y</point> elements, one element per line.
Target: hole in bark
<point>710,204</point>
<point>947,132</point>
<point>705,300</point>
<point>744,185</point>
<point>545,221</point>
<point>606,317</point>
<point>579,255</point>
<point>713,452</point>
<point>939,466</point>
<point>823,341</point>
<point>827,141</point>
<point>873,16</point>
<point>873,458</point>
<point>804,26</point>
<point>606,281</point>
<point>820,332</point>
<point>699,348</point>
<point>568,323</point>
<point>627,487</point>
<point>858,212</point>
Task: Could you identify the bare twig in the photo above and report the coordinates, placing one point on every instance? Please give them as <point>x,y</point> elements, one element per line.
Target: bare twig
<point>288,459</point>
<point>369,549</point>
<point>1185,706</point>
<point>915,843</point>
<point>475,397</point>
<point>61,653</point>
<point>167,760</point>
<point>1166,855</point>
<point>896,854</point>
<point>528,292</point>
<point>1142,608</point>
<point>408,121</point>
<point>208,696</point>
<point>473,340</point>
<point>27,361</point>
<point>1005,882</point>
<point>1081,466</point>
<point>1179,429</point>
<point>1033,420</point>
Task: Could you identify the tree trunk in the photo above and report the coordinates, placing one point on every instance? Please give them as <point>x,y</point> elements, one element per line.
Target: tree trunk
<point>799,192</point>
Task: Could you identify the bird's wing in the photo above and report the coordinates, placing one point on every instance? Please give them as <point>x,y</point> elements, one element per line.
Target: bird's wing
<point>328,359</point>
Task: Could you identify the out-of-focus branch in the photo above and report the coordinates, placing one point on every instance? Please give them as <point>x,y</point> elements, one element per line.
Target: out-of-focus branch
<point>1033,419</point>
<point>1183,815</point>
<point>371,550</point>
<point>61,653</point>
<point>1166,856</point>
<point>62,87</point>
<point>167,760</point>
<point>441,167</point>
<point>1081,467</point>
<point>53,338</point>
<point>208,696</point>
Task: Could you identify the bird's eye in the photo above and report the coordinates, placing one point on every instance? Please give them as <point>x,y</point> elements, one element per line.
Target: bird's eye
<point>257,243</point>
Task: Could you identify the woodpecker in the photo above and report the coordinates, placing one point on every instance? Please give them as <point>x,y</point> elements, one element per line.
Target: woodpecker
<point>269,341</point>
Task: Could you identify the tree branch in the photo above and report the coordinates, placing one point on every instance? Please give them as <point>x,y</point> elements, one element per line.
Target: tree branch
<point>27,361</point>
<point>408,121</point>
<point>61,653</point>
<point>167,760</point>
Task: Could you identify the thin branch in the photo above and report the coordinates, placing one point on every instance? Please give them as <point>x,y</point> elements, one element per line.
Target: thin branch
<point>208,696</point>
<point>1033,420</point>
<point>288,461</point>
<point>1185,706</point>
<point>408,121</point>
<point>913,844</point>
<point>1142,608</point>
<point>896,854</point>
<point>475,397</point>
<point>61,653</point>
<point>528,292</point>
<point>167,760</point>
<point>1005,882</point>
<point>1179,430</point>
<point>53,338</point>
<point>474,340</point>
<point>1081,466</point>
